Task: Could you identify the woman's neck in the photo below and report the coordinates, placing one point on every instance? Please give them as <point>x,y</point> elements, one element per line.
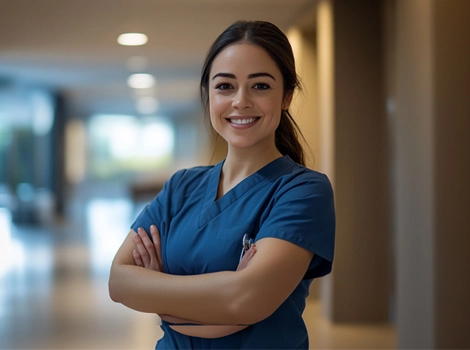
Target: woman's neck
<point>239,164</point>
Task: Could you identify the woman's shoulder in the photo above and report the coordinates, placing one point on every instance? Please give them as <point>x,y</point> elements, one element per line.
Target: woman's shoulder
<point>294,174</point>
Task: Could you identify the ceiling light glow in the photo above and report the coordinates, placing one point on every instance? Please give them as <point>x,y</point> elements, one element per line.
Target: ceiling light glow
<point>141,81</point>
<point>132,39</point>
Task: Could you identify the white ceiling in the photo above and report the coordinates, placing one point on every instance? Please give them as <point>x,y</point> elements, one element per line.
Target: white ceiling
<point>70,46</point>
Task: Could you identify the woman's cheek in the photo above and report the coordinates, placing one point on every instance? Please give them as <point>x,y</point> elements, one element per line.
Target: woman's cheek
<point>217,107</point>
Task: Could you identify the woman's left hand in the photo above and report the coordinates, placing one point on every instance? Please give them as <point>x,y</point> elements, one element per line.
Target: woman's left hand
<point>148,254</point>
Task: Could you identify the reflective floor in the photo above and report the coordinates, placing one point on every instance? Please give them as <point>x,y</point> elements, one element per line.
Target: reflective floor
<point>53,289</point>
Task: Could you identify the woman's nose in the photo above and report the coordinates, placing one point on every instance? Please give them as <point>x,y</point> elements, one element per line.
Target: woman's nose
<point>242,100</point>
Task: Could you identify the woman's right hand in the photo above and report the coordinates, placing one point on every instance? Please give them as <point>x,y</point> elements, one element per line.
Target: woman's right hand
<point>148,254</point>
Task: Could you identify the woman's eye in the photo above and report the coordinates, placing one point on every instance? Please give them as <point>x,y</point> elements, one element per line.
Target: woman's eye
<point>223,86</point>
<point>261,86</point>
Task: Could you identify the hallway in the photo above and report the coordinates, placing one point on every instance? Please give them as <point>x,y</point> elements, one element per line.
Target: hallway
<point>54,289</point>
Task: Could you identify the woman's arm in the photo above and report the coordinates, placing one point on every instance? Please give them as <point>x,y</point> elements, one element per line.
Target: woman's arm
<point>230,297</point>
<point>147,254</point>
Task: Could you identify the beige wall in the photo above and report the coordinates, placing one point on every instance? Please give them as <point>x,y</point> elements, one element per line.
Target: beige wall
<point>361,292</point>
<point>452,172</point>
<point>326,120</point>
<point>413,174</point>
<point>342,114</point>
<point>427,80</point>
<point>432,172</point>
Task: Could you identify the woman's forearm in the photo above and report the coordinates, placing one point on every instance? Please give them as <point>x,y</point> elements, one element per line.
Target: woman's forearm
<point>237,297</point>
<point>207,299</point>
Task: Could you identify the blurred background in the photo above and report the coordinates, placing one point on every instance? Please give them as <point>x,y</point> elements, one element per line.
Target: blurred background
<point>91,127</point>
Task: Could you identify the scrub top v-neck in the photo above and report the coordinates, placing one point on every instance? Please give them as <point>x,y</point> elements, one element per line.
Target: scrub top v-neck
<point>201,234</point>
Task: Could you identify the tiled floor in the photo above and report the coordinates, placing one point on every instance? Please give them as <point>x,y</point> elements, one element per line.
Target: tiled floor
<point>53,292</point>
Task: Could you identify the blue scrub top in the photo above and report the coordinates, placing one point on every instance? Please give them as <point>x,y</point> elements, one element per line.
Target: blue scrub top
<point>201,234</point>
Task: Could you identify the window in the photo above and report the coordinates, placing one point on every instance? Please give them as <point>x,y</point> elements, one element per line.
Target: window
<point>121,144</point>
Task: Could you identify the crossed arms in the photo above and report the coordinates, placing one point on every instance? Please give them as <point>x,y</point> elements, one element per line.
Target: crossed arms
<point>264,279</point>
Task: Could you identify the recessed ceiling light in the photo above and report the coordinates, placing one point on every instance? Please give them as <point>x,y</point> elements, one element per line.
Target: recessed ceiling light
<point>141,81</point>
<point>132,39</point>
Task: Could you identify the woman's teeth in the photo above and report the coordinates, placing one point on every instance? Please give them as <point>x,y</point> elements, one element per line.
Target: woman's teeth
<point>242,121</point>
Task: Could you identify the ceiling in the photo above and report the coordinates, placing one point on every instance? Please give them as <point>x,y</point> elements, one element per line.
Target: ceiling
<point>70,46</point>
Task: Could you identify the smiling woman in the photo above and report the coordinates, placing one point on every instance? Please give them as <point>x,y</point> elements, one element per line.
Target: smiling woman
<point>186,256</point>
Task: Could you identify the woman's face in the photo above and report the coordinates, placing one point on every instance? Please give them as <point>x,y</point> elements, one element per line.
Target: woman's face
<point>246,96</point>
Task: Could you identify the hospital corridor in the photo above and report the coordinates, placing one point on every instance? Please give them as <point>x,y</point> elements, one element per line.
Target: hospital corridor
<point>100,103</point>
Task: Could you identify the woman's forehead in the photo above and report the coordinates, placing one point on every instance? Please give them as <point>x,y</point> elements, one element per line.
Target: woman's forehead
<point>244,58</point>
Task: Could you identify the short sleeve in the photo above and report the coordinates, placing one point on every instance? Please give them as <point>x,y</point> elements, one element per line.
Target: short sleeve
<point>303,213</point>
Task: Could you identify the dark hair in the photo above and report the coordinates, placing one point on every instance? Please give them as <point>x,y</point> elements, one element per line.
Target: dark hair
<point>269,37</point>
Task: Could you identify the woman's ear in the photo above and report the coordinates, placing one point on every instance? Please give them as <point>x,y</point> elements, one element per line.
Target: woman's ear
<point>287,100</point>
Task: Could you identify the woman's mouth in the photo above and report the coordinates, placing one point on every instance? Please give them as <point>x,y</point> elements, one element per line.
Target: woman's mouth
<point>239,121</point>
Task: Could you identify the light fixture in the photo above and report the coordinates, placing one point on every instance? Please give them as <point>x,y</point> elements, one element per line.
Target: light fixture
<point>132,39</point>
<point>141,81</point>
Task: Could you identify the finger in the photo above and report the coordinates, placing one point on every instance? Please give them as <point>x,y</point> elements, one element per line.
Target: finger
<point>157,244</point>
<point>242,264</point>
<point>147,243</point>
<point>151,249</point>
<point>251,252</point>
<point>139,245</point>
<point>137,258</point>
<point>247,257</point>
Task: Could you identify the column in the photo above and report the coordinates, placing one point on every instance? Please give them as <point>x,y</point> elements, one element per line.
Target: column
<point>352,112</point>
<point>432,172</point>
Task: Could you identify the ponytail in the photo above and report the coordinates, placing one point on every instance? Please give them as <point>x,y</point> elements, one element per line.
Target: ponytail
<point>287,138</point>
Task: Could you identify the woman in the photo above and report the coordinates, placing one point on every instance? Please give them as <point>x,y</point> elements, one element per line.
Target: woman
<point>191,272</point>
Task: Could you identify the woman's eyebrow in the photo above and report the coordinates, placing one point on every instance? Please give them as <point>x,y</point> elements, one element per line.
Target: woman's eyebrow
<point>263,74</point>
<point>251,76</point>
